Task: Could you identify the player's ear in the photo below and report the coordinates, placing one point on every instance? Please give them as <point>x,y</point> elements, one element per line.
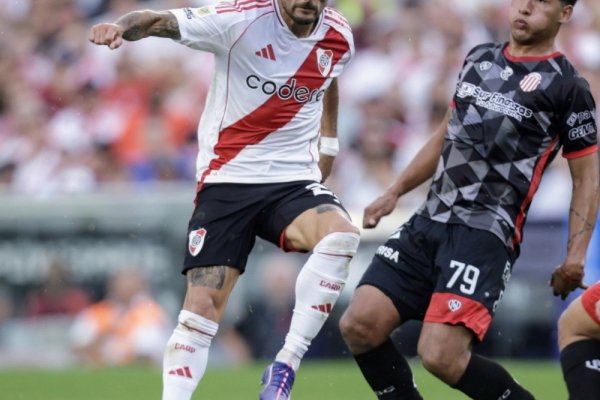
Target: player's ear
<point>566,13</point>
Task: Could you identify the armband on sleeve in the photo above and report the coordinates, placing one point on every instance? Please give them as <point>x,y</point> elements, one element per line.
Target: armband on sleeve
<point>329,146</point>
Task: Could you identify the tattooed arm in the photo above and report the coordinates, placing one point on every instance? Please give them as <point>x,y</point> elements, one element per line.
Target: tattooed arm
<point>135,25</point>
<point>582,219</point>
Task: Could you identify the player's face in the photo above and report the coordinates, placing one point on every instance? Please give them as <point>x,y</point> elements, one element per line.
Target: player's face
<point>303,12</point>
<point>535,21</point>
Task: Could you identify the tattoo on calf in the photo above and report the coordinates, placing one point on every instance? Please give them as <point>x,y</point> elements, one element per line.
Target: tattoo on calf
<point>211,277</point>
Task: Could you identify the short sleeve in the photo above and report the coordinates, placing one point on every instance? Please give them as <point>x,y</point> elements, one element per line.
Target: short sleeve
<point>577,127</point>
<point>206,29</point>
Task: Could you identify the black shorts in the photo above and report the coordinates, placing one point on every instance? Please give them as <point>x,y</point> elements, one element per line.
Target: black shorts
<point>229,216</point>
<point>446,273</point>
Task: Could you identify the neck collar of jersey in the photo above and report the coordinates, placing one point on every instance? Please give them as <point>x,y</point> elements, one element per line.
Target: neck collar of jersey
<point>512,58</point>
<point>286,27</point>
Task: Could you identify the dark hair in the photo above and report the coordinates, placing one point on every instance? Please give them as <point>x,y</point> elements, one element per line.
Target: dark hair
<point>569,2</point>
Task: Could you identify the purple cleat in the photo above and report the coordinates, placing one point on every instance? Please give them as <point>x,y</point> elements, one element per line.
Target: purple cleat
<point>277,380</point>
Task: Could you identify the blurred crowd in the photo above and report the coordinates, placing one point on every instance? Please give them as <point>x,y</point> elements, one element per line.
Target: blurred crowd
<point>75,117</point>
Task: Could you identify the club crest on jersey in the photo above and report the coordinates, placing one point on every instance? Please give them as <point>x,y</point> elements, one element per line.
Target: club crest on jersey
<point>506,73</point>
<point>324,61</point>
<point>454,305</point>
<point>196,241</point>
<point>530,82</point>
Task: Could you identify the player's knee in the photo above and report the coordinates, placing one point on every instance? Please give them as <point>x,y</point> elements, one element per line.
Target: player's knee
<point>438,361</point>
<point>359,331</point>
<point>202,304</point>
<point>344,244</point>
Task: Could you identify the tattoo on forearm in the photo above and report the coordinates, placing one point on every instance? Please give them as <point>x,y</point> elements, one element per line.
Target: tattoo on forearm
<point>587,226</point>
<point>211,277</point>
<point>140,24</point>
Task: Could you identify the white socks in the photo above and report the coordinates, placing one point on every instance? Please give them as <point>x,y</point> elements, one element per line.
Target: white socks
<point>186,355</point>
<point>318,287</point>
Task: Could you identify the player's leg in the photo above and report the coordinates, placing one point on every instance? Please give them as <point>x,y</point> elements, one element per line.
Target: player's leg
<point>395,288</point>
<point>366,327</point>
<point>327,231</point>
<point>309,218</point>
<point>579,345</point>
<point>219,241</point>
<point>474,267</point>
<point>186,354</point>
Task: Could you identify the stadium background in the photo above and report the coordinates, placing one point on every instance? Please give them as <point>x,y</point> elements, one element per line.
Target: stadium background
<point>97,152</point>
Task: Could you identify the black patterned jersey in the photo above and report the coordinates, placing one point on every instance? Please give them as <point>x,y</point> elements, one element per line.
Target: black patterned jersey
<point>510,117</point>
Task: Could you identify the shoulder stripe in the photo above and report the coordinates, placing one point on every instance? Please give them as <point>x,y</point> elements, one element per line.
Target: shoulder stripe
<point>240,6</point>
<point>337,18</point>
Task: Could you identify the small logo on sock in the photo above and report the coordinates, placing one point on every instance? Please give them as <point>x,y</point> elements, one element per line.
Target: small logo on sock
<point>505,395</point>
<point>185,347</point>
<point>185,372</point>
<point>387,390</point>
<point>326,308</point>
<point>330,285</point>
<point>593,364</point>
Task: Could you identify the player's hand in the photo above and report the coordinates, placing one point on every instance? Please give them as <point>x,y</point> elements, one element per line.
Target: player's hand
<point>107,34</point>
<point>566,278</point>
<point>381,207</point>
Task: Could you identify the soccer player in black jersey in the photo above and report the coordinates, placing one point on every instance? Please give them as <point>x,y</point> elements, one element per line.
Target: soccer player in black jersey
<point>515,107</point>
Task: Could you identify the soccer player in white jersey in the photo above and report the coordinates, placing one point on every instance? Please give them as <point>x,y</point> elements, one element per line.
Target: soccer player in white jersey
<point>267,140</point>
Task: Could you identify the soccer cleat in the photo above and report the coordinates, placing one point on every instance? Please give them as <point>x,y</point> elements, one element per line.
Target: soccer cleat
<point>277,380</point>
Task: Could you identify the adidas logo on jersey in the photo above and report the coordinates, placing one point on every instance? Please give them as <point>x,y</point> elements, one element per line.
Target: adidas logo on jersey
<point>267,52</point>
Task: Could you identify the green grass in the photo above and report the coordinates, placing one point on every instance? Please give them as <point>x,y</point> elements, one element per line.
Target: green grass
<point>315,381</point>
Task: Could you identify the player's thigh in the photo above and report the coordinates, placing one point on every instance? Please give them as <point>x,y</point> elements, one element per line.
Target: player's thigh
<point>581,319</point>
<point>208,290</point>
<point>473,267</point>
<point>308,212</point>
<point>371,315</point>
<point>402,269</point>
<point>221,231</point>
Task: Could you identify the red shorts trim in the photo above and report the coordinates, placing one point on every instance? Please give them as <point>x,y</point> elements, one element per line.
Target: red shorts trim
<point>452,309</point>
<point>590,299</point>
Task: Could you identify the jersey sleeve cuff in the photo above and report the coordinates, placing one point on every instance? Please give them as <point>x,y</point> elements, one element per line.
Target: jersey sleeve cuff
<point>580,153</point>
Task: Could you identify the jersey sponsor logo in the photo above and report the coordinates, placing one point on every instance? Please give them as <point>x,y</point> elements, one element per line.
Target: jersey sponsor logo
<point>185,347</point>
<point>267,52</point>
<point>593,364</point>
<point>300,94</point>
<point>485,65</point>
<point>454,305</point>
<point>388,253</point>
<point>506,73</point>
<point>581,117</point>
<point>582,131</point>
<point>324,61</point>
<point>494,101</point>
<point>530,82</point>
<point>196,241</point>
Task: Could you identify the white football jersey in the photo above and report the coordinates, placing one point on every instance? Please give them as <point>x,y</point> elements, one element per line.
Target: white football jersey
<point>263,111</point>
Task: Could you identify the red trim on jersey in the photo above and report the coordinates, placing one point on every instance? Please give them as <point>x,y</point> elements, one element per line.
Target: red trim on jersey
<point>469,313</point>
<point>581,153</point>
<point>529,58</point>
<point>242,5</point>
<point>453,104</point>
<point>535,182</point>
<point>275,113</point>
<point>589,299</point>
